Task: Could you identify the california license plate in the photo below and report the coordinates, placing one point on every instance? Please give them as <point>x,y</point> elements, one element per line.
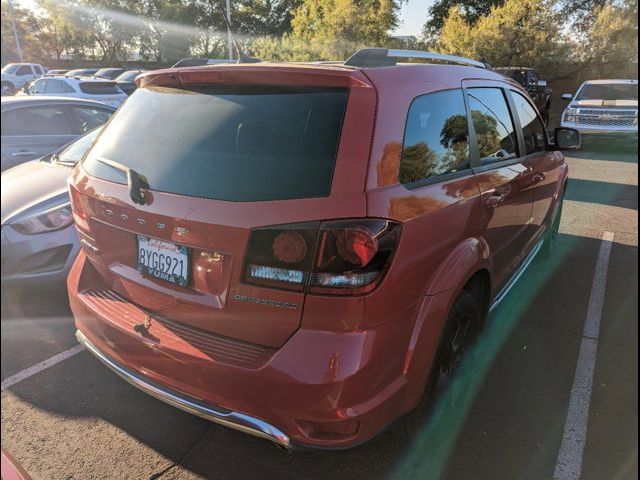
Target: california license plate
<point>164,260</point>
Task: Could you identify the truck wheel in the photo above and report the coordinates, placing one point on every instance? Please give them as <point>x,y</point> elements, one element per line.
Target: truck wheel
<point>7,88</point>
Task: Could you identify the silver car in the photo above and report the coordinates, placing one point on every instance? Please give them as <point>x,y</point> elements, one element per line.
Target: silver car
<point>39,240</point>
<point>36,126</point>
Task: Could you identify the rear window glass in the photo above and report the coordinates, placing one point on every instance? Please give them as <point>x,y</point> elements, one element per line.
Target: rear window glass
<point>99,88</point>
<point>229,143</point>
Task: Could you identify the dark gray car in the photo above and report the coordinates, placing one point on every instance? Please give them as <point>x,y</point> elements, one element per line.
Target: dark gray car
<point>35,126</point>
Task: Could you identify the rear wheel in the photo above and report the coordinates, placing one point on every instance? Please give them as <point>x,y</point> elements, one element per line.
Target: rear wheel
<point>460,332</point>
<point>7,88</point>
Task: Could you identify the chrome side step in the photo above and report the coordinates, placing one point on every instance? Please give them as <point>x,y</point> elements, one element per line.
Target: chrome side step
<point>516,276</point>
<point>236,420</point>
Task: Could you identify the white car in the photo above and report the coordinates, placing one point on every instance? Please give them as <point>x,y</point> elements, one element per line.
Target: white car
<point>606,109</point>
<point>17,75</point>
<point>90,88</point>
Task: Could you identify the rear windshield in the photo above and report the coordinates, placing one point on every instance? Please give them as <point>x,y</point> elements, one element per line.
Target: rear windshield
<point>100,88</point>
<point>228,143</point>
<point>612,91</point>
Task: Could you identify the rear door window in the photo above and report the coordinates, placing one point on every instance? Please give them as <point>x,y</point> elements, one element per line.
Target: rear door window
<point>436,139</point>
<point>36,121</point>
<point>493,125</point>
<point>237,143</point>
<point>24,70</point>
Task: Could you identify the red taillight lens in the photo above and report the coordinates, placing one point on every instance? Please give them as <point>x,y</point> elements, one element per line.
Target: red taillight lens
<point>353,255</point>
<point>79,211</point>
<point>280,257</point>
<point>342,257</point>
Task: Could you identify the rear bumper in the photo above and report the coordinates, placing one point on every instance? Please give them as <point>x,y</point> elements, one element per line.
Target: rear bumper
<point>287,395</point>
<point>235,420</point>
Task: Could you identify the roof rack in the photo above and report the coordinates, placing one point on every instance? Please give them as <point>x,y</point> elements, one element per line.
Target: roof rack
<point>386,57</point>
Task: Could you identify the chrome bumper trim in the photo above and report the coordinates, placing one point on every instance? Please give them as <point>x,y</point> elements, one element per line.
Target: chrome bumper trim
<point>238,421</point>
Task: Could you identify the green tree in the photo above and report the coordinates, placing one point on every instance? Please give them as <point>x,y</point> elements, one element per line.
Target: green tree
<point>27,26</point>
<point>471,11</point>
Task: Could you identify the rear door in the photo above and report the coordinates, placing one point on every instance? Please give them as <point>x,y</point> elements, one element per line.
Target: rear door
<point>221,162</point>
<point>504,177</point>
<point>31,132</point>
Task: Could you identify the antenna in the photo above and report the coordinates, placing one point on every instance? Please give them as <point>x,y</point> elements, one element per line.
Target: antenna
<point>242,58</point>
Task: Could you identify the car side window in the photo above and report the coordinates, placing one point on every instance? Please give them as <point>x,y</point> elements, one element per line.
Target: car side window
<point>50,120</point>
<point>59,86</point>
<point>37,69</point>
<point>493,125</point>
<point>535,137</point>
<point>436,138</point>
<point>88,118</point>
<point>24,70</point>
<point>39,86</point>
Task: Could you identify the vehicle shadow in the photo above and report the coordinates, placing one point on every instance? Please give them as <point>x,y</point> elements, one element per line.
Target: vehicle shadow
<point>552,295</point>
<point>604,193</point>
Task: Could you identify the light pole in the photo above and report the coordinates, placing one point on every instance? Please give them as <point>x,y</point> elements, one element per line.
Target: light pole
<point>15,31</point>
<point>229,34</point>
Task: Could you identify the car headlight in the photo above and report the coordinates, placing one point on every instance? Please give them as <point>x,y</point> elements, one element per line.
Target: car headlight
<point>571,115</point>
<point>48,221</point>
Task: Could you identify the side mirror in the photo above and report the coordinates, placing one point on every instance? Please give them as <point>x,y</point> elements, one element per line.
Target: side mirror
<point>25,89</point>
<point>566,139</point>
<point>567,96</point>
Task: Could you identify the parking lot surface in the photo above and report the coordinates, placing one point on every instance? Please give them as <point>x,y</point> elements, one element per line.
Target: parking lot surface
<point>504,417</point>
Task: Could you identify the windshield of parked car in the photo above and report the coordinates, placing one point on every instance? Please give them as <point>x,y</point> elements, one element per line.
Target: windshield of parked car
<point>99,88</point>
<point>611,91</point>
<point>10,68</point>
<point>236,143</point>
<point>74,152</point>
<point>129,76</point>
<point>109,73</point>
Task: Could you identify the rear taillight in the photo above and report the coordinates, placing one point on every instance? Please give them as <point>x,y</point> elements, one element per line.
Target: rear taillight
<point>80,215</point>
<point>342,257</point>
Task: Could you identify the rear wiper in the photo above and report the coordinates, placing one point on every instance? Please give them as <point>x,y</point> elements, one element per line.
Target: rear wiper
<point>137,183</point>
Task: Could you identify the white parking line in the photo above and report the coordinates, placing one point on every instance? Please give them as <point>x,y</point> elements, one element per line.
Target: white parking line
<point>38,367</point>
<point>569,462</point>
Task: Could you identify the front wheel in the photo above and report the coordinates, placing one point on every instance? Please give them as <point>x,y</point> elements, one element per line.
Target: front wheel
<point>7,88</point>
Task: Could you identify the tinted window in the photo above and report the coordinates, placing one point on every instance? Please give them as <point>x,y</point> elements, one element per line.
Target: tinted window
<point>228,143</point>
<point>535,137</point>
<point>88,118</point>
<point>38,69</point>
<point>39,86</point>
<point>436,137</point>
<point>59,86</point>
<point>129,76</point>
<point>493,124</point>
<point>36,121</point>
<point>24,70</point>
<point>99,88</point>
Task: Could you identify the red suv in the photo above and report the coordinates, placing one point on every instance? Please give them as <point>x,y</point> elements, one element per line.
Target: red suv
<point>294,250</point>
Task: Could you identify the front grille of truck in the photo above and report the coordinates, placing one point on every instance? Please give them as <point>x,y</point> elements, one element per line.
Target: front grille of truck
<point>607,118</point>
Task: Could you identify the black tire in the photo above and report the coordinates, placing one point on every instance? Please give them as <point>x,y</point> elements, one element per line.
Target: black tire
<point>551,238</point>
<point>461,330</point>
<point>7,88</point>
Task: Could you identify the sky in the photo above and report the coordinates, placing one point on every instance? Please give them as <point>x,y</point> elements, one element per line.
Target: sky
<point>413,15</point>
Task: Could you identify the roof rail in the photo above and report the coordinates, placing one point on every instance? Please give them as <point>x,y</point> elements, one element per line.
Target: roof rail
<point>385,57</point>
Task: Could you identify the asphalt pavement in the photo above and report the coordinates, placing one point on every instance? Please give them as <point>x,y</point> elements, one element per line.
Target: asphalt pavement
<point>505,416</point>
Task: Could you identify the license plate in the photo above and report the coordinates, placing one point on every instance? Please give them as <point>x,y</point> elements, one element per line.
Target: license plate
<point>164,260</point>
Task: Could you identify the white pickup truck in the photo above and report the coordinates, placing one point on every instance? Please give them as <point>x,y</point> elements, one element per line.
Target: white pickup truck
<point>605,110</point>
<point>17,75</point>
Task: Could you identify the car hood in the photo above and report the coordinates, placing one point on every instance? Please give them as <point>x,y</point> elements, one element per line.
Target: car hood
<point>33,186</point>
<point>606,103</point>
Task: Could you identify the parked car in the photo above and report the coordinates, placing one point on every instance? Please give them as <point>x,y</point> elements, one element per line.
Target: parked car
<point>535,86</point>
<point>35,126</point>
<point>55,73</point>
<point>269,247</point>
<point>39,241</point>
<point>16,75</point>
<point>90,88</point>
<point>81,72</point>
<point>110,73</point>
<point>126,81</point>
<point>604,110</point>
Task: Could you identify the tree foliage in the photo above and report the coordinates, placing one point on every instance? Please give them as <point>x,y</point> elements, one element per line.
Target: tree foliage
<point>470,10</point>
